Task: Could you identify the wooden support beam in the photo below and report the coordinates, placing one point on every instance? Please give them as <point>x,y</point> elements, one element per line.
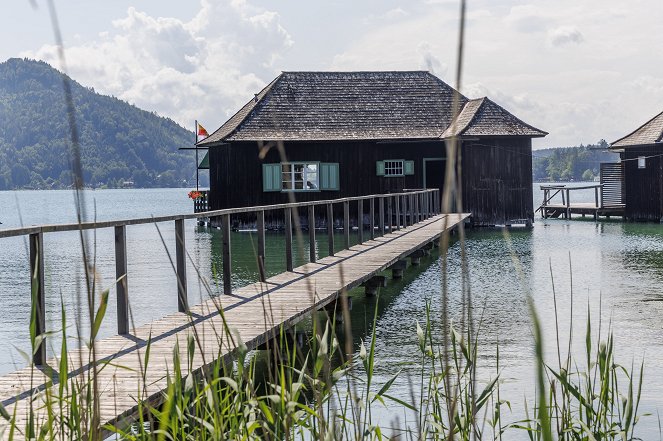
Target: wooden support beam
<point>398,268</point>
<point>346,224</point>
<point>360,220</point>
<point>227,268</point>
<point>371,285</point>
<point>415,257</point>
<point>288,338</point>
<point>311,233</point>
<point>338,304</point>
<point>330,228</point>
<point>180,258</point>
<point>121,284</point>
<point>260,223</point>
<point>288,239</point>
<point>38,314</point>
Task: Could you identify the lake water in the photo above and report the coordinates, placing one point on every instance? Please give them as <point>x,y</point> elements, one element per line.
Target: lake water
<point>617,271</point>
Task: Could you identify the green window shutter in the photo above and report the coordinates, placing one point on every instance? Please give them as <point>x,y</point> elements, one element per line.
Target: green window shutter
<point>271,177</point>
<point>379,168</point>
<point>408,167</point>
<point>329,179</point>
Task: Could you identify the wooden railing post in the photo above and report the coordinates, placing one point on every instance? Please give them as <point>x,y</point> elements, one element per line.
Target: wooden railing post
<point>38,315</point>
<point>330,228</point>
<point>410,201</point>
<point>568,204</point>
<point>311,233</point>
<point>121,284</point>
<point>416,208</point>
<point>360,220</point>
<point>381,215</point>
<point>227,267</point>
<point>180,258</point>
<point>288,239</point>
<point>371,223</point>
<point>404,210</point>
<point>390,220</point>
<point>346,224</point>
<point>260,224</point>
<point>397,203</point>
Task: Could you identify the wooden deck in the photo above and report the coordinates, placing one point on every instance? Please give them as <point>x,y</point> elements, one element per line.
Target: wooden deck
<point>605,202</point>
<point>255,313</point>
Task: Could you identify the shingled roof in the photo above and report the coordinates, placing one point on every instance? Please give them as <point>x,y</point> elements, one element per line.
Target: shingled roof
<point>483,117</point>
<point>324,106</point>
<point>650,132</point>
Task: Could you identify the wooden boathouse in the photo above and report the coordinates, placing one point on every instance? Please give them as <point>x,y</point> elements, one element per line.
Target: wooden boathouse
<point>642,171</point>
<point>324,135</point>
<point>248,316</point>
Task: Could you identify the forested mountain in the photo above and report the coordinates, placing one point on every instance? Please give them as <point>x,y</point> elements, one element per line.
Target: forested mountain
<point>119,142</point>
<point>581,163</point>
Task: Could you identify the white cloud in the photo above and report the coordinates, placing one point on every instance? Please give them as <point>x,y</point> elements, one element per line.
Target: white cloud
<point>564,35</point>
<point>205,68</point>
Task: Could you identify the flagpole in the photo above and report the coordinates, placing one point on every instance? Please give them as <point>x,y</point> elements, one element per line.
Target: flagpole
<point>196,135</point>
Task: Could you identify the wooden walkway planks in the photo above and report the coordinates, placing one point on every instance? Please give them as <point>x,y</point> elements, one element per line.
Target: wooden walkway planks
<point>253,313</point>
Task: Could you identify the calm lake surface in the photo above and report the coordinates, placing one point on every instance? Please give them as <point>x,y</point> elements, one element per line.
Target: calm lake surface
<point>617,272</point>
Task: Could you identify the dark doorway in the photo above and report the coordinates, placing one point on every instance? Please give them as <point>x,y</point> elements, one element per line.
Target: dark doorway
<point>434,171</point>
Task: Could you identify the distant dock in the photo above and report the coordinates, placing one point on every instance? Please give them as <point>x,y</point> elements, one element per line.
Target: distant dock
<point>557,202</point>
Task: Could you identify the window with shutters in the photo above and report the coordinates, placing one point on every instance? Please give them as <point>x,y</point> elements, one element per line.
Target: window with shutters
<point>391,168</point>
<point>300,176</point>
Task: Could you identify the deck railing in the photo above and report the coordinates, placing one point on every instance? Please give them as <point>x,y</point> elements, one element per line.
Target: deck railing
<point>419,204</point>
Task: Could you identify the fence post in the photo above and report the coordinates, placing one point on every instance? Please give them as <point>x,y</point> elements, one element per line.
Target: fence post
<point>121,284</point>
<point>38,295</point>
<point>288,239</point>
<point>180,258</point>
<point>227,268</point>
<point>330,228</point>
<point>360,220</point>
<point>371,224</point>
<point>397,215</point>
<point>311,233</point>
<point>411,204</point>
<point>381,215</point>
<point>390,220</point>
<point>261,244</point>
<point>346,224</point>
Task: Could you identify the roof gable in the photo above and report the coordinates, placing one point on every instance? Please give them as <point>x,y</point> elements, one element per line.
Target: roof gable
<point>650,132</point>
<point>483,117</point>
<point>327,106</point>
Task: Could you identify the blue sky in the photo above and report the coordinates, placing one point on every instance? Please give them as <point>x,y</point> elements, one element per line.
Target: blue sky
<point>582,70</point>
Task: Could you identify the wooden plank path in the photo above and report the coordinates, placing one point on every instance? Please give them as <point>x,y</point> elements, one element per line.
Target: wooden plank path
<point>254,314</point>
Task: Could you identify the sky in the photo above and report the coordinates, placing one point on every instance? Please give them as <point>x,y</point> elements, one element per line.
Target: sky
<point>583,70</point>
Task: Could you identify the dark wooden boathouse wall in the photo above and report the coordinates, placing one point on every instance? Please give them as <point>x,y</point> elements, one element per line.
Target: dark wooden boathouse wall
<point>642,186</point>
<point>497,174</point>
<point>497,180</point>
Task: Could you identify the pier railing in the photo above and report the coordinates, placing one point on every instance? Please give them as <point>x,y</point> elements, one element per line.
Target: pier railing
<point>394,211</point>
<point>551,206</point>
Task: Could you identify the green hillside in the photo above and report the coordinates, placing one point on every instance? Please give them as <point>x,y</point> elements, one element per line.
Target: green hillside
<point>119,142</point>
<point>581,163</point>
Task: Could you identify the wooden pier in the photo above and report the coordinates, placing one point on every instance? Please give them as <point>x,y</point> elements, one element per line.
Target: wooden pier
<point>557,202</point>
<point>251,315</point>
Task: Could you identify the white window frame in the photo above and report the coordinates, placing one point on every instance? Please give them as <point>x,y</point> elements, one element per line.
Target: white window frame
<point>290,183</point>
<point>394,167</point>
<point>642,162</point>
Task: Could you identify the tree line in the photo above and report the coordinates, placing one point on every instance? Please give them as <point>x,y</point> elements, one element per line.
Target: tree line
<point>580,163</point>
<point>119,142</point>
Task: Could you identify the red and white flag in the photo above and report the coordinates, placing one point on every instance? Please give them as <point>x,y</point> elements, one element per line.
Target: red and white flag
<point>201,133</point>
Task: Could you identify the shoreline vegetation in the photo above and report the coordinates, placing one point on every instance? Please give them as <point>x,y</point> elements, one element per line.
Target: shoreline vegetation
<point>326,389</point>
